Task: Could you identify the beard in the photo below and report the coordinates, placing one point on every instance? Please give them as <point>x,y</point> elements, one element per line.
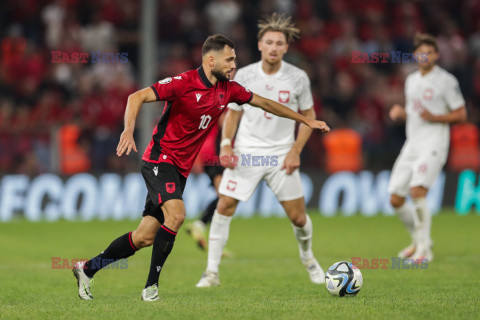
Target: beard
<point>220,75</point>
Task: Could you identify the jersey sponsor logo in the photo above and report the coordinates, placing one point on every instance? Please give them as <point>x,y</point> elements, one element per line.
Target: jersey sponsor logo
<point>268,115</point>
<point>155,170</point>
<point>231,185</point>
<point>178,78</point>
<point>170,186</point>
<point>428,94</point>
<point>284,96</point>
<point>165,81</point>
<point>198,95</point>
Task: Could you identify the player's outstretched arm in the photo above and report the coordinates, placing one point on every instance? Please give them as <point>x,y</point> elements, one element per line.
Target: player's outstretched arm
<point>135,101</point>
<point>282,111</point>
<point>455,116</point>
<point>292,160</point>
<point>228,131</point>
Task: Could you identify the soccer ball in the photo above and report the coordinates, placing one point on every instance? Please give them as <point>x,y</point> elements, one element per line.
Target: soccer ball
<point>343,279</point>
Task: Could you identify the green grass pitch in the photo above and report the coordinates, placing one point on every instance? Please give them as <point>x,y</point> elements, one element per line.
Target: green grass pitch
<point>265,279</point>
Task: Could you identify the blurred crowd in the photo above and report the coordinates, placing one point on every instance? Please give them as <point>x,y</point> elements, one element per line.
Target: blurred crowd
<point>38,97</point>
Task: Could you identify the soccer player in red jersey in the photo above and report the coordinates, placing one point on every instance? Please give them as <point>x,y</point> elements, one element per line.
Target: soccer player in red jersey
<point>194,102</point>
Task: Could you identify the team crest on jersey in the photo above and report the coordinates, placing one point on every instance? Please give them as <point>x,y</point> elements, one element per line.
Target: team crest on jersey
<point>231,185</point>
<point>165,81</point>
<point>170,186</point>
<point>428,94</point>
<point>284,96</point>
<point>222,105</point>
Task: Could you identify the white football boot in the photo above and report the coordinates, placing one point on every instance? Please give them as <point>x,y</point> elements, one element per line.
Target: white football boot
<point>421,254</point>
<point>424,247</point>
<point>84,283</point>
<point>197,231</point>
<point>407,252</point>
<point>316,273</point>
<point>150,293</point>
<point>209,279</point>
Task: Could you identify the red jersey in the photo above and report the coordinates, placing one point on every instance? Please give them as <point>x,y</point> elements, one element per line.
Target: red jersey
<point>192,110</point>
<point>209,150</point>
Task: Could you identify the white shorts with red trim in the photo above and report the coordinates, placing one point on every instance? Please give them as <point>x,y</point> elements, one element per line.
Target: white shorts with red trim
<point>415,170</point>
<point>241,182</point>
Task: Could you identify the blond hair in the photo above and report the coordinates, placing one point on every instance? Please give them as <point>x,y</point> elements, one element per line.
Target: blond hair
<point>280,23</point>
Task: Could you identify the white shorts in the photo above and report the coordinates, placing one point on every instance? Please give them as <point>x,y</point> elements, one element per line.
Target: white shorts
<point>415,170</point>
<point>241,182</point>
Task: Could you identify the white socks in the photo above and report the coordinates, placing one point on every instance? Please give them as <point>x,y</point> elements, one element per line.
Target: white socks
<point>406,213</point>
<point>424,217</point>
<point>218,237</point>
<point>304,238</point>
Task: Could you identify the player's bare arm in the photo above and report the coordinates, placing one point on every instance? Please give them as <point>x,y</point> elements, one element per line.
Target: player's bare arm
<point>135,101</point>
<point>282,111</point>
<point>456,116</point>
<point>228,132</point>
<point>398,113</point>
<point>292,160</point>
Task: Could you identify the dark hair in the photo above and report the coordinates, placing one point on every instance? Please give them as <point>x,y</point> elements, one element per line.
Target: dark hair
<point>216,42</point>
<point>425,38</point>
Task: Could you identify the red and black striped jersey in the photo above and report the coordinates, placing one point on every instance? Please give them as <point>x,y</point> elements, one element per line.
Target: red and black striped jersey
<point>193,106</point>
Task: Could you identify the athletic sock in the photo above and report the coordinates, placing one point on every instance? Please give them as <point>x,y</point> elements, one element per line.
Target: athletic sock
<point>425,221</point>
<point>406,213</point>
<point>217,240</point>
<point>304,238</point>
<point>162,246</point>
<point>209,211</point>
<point>120,248</point>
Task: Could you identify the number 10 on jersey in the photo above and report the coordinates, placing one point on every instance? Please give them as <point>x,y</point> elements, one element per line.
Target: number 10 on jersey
<point>205,121</point>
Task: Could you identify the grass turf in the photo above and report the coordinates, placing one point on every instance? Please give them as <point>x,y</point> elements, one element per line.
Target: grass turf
<point>265,279</point>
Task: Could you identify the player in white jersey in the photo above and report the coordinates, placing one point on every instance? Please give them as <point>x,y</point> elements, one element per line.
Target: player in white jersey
<point>432,101</point>
<point>266,146</point>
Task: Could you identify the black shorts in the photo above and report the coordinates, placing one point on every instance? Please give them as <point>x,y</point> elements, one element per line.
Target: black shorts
<point>164,183</point>
<point>213,171</point>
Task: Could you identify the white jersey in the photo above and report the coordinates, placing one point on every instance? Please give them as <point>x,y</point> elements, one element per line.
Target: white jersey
<point>263,133</point>
<point>439,93</point>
